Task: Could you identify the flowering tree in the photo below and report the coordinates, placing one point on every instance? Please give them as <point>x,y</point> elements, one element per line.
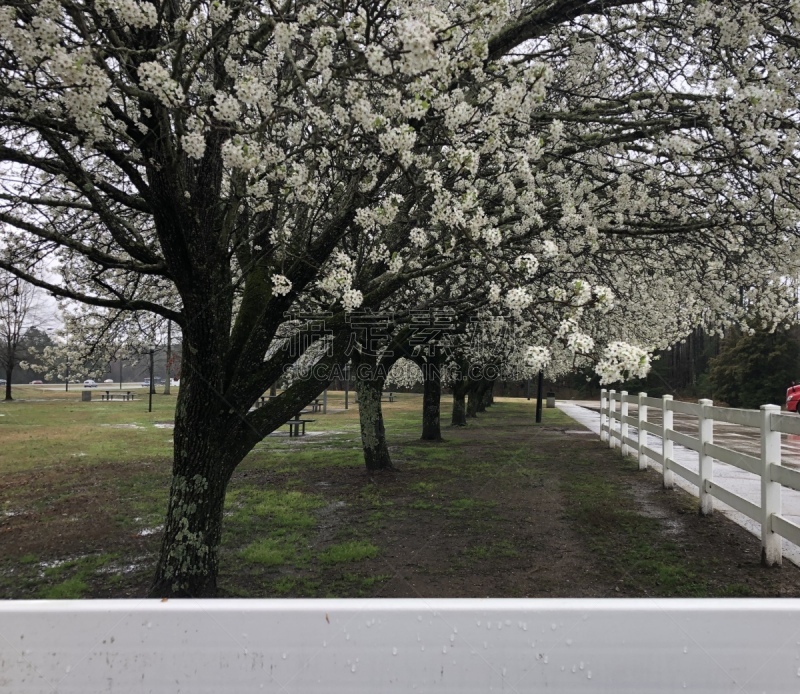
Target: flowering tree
<point>220,164</point>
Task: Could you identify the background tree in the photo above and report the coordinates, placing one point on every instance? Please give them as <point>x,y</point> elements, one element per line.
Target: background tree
<point>755,369</point>
<point>20,310</point>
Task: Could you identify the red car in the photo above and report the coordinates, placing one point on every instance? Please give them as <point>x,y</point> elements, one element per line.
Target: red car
<point>792,397</point>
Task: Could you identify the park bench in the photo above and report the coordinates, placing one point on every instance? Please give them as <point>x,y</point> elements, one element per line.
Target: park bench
<point>297,427</point>
<point>109,395</point>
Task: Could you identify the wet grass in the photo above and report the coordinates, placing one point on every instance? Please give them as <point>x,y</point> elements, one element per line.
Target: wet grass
<point>484,513</point>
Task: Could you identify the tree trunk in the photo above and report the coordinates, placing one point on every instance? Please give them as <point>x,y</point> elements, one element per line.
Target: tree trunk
<point>202,467</point>
<point>488,396</point>
<point>431,402</point>
<point>473,398</point>
<point>483,387</point>
<point>373,433</point>
<point>459,418</point>
<point>8,384</point>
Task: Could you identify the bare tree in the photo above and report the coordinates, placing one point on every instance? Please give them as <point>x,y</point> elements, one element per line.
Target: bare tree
<point>19,310</point>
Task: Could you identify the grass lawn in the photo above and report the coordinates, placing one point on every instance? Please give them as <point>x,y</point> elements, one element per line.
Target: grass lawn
<point>502,508</point>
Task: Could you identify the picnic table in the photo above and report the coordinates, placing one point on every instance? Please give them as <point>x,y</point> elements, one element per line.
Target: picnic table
<point>123,395</point>
<point>297,427</point>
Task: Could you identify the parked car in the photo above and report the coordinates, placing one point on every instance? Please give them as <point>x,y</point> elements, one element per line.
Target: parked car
<point>36,383</point>
<point>792,397</point>
<point>146,383</point>
<point>89,383</point>
<point>109,380</point>
<point>2,381</point>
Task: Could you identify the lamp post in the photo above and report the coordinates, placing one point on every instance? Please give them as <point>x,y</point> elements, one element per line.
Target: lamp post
<point>152,385</point>
<point>346,386</point>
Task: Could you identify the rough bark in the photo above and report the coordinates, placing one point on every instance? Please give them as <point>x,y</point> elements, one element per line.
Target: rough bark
<point>459,418</point>
<point>373,432</point>
<point>431,403</point>
<point>473,398</point>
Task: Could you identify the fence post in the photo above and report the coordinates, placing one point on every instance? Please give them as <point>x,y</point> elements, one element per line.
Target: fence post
<point>612,408</point>
<point>623,425</point>
<point>642,433</point>
<point>603,414</point>
<point>705,429</point>
<point>771,551</point>
<point>666,444</point>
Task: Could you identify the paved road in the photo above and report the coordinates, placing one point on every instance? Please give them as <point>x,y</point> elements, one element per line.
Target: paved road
<point>743,439</point>
<point>733,436</point>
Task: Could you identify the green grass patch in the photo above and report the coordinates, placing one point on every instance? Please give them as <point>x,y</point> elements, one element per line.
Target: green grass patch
<point>355,550</point>
<point>267,552</point>
<point>69,580</point>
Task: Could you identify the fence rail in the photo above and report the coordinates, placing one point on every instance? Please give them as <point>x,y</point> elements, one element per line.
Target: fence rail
<point>404,646</point>
<point>771,423</point>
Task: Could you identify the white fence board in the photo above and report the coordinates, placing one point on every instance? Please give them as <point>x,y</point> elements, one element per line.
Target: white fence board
<point>735,501</point>
<point>786,423</point>
<point>652,402</point>
<point>745,462</point>
<point>368,646</point>
<point>785,528</point>
<point>654,454</point>
<point>786,476</point>
<point>684,440</point>
<point>747,418</point>
<point>652,428</point>
<point>684,407</point>
<point>684,472</point>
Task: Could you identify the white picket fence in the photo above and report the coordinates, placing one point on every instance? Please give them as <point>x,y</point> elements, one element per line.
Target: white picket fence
<point>769,420</point>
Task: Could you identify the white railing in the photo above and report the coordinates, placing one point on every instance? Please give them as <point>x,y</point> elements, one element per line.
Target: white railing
<point>404,646</point>
<point>770,422</point>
